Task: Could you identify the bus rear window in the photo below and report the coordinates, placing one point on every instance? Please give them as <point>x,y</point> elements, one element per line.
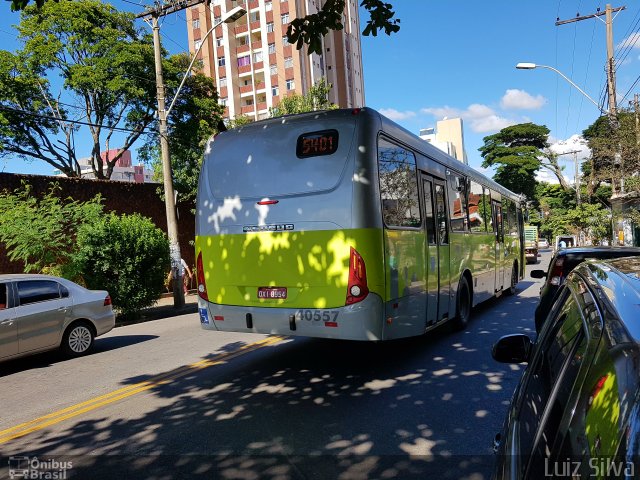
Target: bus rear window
<point>314,144</point>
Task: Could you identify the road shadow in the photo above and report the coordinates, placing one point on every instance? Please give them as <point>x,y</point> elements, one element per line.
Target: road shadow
<point>47,359</point>
<point>426,407</point>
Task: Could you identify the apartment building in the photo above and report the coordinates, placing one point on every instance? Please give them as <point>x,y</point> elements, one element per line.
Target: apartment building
<point>253,64</point>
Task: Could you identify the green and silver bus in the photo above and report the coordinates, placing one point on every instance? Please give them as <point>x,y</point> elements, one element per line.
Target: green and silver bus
<point>342,224</point>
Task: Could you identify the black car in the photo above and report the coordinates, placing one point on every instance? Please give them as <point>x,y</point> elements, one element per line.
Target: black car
<point>560,266</point>
<point>576,411</point>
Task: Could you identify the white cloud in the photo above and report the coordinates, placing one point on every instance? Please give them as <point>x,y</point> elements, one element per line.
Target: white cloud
<point>395,115</point>
<point>632,41</point>
<point>481,118</point>
<point>515,99</point>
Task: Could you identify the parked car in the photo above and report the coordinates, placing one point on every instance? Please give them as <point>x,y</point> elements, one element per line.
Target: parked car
<point>543,243</point>
<point>42,312</point>
<point>576,410</point>
<point>562,262</point>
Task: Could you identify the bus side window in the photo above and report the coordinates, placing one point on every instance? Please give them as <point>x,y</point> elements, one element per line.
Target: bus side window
<point>441,216</point>
<point>476,208</point>
<point>398,185</point>
<point>457,203</point>
<point>488,216</point>
<point>428,213</point>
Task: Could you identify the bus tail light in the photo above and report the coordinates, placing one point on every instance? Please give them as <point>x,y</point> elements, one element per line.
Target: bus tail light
<point>357,288</point>
<point>556,272</point>
<point>202,286</point>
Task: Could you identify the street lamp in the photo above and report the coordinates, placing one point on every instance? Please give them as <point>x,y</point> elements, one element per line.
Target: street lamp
<point>169,199</point>
<point>531,66</point>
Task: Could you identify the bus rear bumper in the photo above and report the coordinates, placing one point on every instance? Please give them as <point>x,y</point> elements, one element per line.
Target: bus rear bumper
<point>360,321</point>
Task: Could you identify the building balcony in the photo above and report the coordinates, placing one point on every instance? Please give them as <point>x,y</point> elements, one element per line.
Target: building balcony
<point>222,71</point>
<point>284,7</point>
<point>246,89</point>
<point>287,51</point>
<point>240,29</point>
<point>253,4</point>
<point>242,48</point>
<point>273,58</point>
<point>244,69</point>
<point>223,92</point>
<point>271,37</point>
<point>255,26</point>
<point>260,86</point>
<point>288,72</point>
<point>220,52</point>
<point>258,66</point>
<point>246,109</point>
<point>256,45</point>
<point>262,106</point>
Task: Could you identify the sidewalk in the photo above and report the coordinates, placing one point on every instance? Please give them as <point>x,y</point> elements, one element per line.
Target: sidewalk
<point>164,308</point>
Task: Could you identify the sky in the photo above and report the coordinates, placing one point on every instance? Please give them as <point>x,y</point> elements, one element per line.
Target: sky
<point>457,58</point>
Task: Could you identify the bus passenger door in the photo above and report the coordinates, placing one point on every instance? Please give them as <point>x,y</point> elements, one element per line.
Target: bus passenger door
<point>498,229</point>
<point>431,252</point>
<point>442,245</point>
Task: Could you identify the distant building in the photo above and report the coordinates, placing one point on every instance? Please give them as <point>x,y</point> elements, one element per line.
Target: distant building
<point>254,66</point>
<point>123,171</point>
<point>448,136</point>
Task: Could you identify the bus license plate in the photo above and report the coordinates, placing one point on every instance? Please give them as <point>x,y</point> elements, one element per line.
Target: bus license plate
<point>274,293</point>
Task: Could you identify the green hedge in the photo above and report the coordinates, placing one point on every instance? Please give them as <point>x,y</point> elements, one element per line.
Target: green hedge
<point>126,255</point>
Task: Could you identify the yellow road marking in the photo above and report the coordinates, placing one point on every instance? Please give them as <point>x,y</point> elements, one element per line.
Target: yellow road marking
<point>125,392</point>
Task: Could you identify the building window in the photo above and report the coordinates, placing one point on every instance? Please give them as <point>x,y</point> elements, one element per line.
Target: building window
<point>221,62</point>
<point>248,102</point>
<point>284,18</point>
<point>223,82</point>
<point>272,48</point>
<point>458,219</point>
<point>285,41</point>
<point>223,101</point>
<point>196,23</point>
<point>257,57</point>
<point>244,61</point>
<point>274,91</point>
<point>273,69</point>
<point>219,42</point>
<point>269,27</point>
<point>288,62</point>
<point>197,44</point>
<point>243,40</point>
<point>291,84</point>
<point>254,17</point>
<point>268,6</point>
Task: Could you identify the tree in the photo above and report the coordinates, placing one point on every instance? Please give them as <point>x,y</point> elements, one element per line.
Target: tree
<point>106,67</point>
<point>310,29</point>
<point>515,152</point>
<point>317,98</point>
<point>615,152</point>
<point>42,232</point>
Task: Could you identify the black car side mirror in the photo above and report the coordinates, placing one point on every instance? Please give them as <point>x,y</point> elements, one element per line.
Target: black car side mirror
<point>513,348</point>
<point>538,274</point>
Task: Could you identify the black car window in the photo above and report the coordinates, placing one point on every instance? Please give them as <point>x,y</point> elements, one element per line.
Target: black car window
<point>4,298</point>
<point>557,359</point>
<point>31,291</point>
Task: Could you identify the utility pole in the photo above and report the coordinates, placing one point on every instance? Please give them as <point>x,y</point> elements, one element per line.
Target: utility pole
<point>577,171</point>
<point>611,70</point>
<point>167,174</point>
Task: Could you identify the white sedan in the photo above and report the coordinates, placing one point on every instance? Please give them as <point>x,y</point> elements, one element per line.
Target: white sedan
<point>43,312</point>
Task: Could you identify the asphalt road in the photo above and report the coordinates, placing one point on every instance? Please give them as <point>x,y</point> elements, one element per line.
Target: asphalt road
<point>165,399</point>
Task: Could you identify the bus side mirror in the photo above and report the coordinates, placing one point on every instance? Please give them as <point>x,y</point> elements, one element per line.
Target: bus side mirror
<point>538,274</point>
<point>514,348</point>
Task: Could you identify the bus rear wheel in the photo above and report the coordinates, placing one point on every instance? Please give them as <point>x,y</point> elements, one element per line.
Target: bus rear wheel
<point>463,305</point>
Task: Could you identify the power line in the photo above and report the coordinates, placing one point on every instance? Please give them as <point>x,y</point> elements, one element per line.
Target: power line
<point>77,122</point>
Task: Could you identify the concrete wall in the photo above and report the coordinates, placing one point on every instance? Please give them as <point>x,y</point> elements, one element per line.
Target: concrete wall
<point>119,197</point>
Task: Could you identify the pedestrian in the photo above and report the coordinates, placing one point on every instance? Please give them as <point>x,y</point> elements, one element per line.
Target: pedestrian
<point>186,281</point>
